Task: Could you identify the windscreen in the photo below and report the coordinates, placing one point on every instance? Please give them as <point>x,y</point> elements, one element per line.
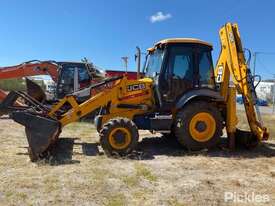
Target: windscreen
<point>153,63</point>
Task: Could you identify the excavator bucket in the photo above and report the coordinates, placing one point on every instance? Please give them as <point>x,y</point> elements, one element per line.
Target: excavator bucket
<point>35,91</point>
<point>42,132</point>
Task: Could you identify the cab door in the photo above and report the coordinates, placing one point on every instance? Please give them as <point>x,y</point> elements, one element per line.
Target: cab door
<point>66,82</point>
<point>178,72</point>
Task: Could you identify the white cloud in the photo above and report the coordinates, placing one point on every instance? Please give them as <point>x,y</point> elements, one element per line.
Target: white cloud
<point>159,16</point>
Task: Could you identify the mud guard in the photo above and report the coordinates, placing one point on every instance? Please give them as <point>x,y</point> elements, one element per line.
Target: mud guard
<point>198,94</point>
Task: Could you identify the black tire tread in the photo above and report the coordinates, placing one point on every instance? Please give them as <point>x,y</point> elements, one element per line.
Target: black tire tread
<point>113,123</point>
<point>182,134</point>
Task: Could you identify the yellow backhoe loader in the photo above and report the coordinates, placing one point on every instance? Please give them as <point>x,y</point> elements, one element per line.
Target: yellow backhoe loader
<point>179,92</point>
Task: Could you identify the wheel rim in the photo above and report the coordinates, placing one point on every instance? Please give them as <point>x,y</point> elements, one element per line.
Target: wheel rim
<point>202,127</point>
<point>120,138</point>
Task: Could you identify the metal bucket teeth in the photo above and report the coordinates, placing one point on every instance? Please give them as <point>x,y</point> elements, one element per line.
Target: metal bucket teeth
<point>41,132</point>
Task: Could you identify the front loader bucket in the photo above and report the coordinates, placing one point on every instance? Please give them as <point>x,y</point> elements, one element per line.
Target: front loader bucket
<point>41,132</point>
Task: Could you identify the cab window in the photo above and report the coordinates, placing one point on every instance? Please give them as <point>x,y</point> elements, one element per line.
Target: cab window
<point>206,72</point>
<point>83,77</point>
<point>183,65</point>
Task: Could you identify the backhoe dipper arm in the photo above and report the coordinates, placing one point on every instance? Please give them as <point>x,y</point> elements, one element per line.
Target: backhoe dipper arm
<point>232,65</point>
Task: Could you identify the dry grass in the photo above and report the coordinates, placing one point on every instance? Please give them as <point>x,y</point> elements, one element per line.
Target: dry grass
<point>161,173</point>
<point>269,122</point>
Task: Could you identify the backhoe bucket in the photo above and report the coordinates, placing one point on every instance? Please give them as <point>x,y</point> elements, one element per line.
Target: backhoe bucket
<point>246,139</point>
<point>41,132</point>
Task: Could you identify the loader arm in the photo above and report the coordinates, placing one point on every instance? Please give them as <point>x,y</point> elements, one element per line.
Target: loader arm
<point>232,65</point>
<point>109,98</point>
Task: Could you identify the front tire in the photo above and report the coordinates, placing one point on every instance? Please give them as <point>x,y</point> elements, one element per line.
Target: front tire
<point>198,125</point>
<point>119,136</point>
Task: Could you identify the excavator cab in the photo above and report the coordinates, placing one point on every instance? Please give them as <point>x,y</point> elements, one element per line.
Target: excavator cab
<point>178,66</point>
<point>73,77</point>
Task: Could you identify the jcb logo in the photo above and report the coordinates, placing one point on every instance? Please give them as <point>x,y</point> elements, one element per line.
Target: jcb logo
<point>135,87</point>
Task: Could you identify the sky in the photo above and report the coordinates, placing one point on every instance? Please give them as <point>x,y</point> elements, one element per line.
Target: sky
<point>103,30</point>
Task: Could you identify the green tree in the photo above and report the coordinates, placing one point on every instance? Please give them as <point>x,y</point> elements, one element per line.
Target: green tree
<point>13,84</point>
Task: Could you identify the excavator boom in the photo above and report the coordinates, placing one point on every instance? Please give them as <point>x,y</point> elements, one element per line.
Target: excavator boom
<point>30,68</point>
<point>26,69</point>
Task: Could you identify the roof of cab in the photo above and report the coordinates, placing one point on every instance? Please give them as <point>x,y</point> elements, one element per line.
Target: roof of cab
<point>183,40</point>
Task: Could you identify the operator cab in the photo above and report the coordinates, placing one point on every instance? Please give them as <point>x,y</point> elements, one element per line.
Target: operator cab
<point>177,66</point>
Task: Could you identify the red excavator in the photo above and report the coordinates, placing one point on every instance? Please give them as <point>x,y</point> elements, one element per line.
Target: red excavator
<point>69,77</point>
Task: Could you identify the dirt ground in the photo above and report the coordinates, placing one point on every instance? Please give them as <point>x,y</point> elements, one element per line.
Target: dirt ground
<point>159,173</point>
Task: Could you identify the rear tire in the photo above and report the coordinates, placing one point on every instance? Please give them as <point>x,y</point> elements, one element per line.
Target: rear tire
<point>119,136</point>
<point>198,125</point>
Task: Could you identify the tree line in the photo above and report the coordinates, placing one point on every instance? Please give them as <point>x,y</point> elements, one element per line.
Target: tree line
<point>17,84</point>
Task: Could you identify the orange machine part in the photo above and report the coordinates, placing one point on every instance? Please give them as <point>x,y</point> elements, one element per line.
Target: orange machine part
<point>29,69</point>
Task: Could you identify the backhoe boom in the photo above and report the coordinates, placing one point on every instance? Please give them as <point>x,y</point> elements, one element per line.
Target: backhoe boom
<point>231,65</point>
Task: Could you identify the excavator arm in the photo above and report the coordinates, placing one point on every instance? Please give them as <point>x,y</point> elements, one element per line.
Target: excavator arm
<point>30,68</point>
<point>232,67</point>
<point>26,69</point>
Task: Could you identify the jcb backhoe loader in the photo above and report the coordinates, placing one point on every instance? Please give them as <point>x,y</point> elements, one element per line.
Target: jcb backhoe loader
<point>181,93</point>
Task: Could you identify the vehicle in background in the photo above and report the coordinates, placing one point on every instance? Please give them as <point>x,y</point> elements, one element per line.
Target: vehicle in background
<point>259,102</point>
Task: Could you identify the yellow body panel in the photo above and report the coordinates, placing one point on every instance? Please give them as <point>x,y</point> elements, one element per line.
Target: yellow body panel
<point>231,112</point>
